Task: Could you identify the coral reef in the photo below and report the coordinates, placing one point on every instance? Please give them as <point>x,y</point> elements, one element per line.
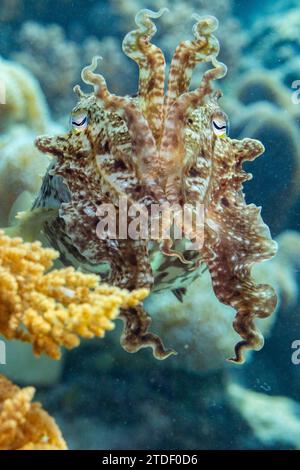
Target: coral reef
<point>53,309</point>
<point>23,115</point>
<point>263,88</point>
<point>263,94</point>
<point>24,102</point>
<point>25,425</point>
<point>21,170</point>
<point>45,47</point>
<point>258,410</point>
<point>136,404</point>
<point>172,150</point>
<point>14,11</point>
<point>286,266</point>
<point>274,40</point>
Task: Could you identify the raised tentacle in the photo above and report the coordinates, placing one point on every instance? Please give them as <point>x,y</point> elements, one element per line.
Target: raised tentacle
<point>172,147</point>
<point>189,53</point>
<point>151,62</point>
<point>78,91</point>
<point>144,151</point>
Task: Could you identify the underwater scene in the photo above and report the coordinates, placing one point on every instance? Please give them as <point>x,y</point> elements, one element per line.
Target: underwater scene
<point>149,225</point>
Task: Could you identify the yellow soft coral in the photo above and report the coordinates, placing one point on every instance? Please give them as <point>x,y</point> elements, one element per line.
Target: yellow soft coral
<point>55,308</point>
<point>25,425</point>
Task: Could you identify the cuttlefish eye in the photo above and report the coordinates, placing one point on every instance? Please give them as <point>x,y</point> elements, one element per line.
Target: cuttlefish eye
<point>79,122</point>
<point>220,127</point>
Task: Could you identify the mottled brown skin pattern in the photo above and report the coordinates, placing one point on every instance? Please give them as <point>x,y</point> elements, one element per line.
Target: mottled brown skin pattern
<point>155,149</point>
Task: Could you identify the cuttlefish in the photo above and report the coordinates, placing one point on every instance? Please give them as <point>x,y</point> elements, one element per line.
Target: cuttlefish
<point>154,148</point>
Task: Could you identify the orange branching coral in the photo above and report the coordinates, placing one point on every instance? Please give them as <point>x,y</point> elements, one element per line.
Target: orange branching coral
<point>157,148</point>
<point>25,425</point>
<point>53,309</point>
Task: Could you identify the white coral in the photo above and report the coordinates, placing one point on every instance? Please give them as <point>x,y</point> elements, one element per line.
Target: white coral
<point>269,427</point>
<point>24,115</point>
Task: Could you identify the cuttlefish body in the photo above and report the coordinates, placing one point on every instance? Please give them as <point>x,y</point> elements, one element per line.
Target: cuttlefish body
<point>159,148</point>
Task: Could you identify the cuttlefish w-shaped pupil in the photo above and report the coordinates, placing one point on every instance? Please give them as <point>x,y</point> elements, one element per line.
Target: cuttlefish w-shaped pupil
<point>219,127</point>
<point>80,121</point>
